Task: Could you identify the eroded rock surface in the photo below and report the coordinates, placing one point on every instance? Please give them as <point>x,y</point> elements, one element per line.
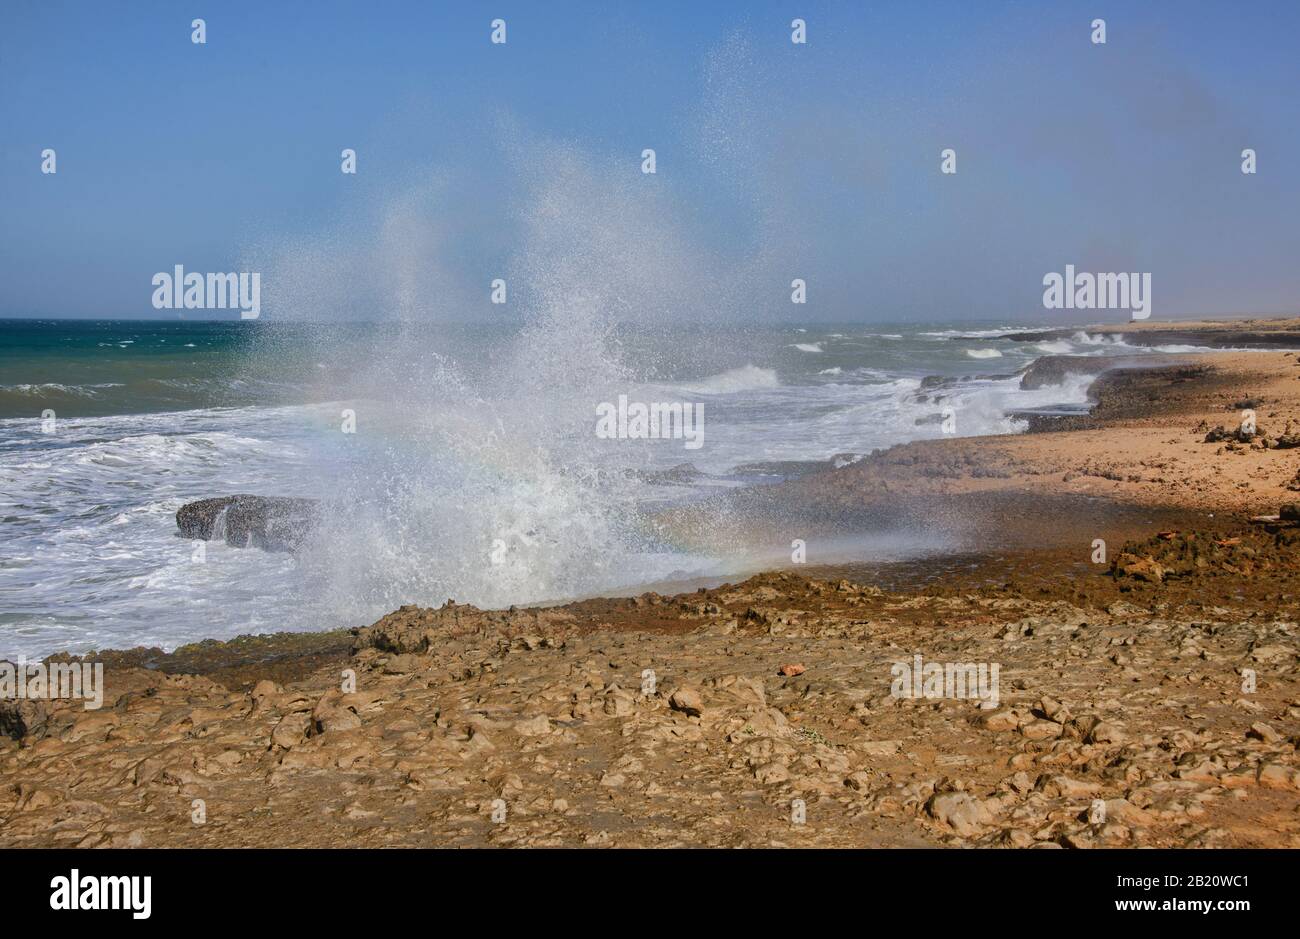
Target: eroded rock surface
<point>1132,724</point>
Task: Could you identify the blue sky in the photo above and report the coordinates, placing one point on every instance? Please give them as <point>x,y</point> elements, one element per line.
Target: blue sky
<point>774,160</point>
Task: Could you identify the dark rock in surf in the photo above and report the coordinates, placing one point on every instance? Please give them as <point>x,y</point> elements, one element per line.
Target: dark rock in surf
<point>271,523</point>
<point>681,474</point>
<point>1053,369</point>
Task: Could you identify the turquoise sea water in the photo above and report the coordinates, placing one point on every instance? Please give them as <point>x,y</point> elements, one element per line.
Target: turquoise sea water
<point>101,367</point>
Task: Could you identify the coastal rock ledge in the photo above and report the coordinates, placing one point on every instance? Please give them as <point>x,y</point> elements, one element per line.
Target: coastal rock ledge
<point>272,523</point>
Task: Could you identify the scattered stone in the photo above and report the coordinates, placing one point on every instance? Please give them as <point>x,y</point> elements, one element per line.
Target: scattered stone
<point>1262,731</point>
<point>960,811</point>
<point>688,701</point>
<point>534,726</point>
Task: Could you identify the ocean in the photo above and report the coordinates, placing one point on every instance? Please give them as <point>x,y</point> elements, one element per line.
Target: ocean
<point>453,461</point>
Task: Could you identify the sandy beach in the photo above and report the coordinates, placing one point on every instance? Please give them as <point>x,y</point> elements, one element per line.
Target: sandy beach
<point>1146,695</point>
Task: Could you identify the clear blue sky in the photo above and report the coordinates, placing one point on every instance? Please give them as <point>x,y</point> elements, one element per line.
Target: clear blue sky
<point>775,160</point>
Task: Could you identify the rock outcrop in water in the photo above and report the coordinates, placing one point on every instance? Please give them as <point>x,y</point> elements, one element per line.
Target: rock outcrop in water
<point>272,523</point>
<point>1054,369</point>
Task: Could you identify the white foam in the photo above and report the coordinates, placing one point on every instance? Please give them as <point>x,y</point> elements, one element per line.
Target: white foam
<point>745,378</point>
<point>1058,347</point>
<point>45,388</point>
<point>976,333</point>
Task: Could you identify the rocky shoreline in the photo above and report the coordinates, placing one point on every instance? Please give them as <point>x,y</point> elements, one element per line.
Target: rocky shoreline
<point>1146,696</point>
<point>1131,712</point>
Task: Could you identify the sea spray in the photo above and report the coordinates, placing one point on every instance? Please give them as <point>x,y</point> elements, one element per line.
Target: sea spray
<point>482,480</point>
